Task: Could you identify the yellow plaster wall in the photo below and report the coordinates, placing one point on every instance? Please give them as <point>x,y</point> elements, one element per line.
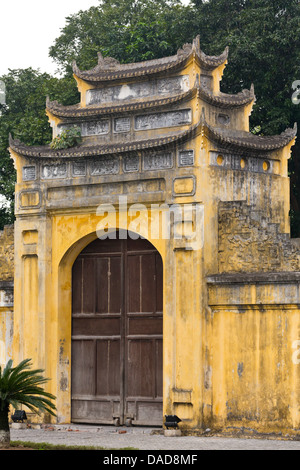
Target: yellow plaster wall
<point>7,253</point>
<point>227,350</point>
<point>6,293</point>
<point>253,356</point>
<point>181,322</point>
<point>254,378</point>
<point>201,346</point>
<point>6,334</point>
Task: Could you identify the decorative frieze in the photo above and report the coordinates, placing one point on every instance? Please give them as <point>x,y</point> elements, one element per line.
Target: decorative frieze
<point>29,173</point>
<point>180,117</point>
<point>158,161</point>
<point>172,85</point>
<point>131,163</point>
<point>151,161</point>
<point>95,127</point>
<point>206,81</point>
<point>110,165</point>
<point>161,86</point>
<point>186,158</point>
<point>105,166</point>
<point>89,128</point>
<point>54,171</point>
<point>230,161</point>
<point>79,168</point>
<point>122,124</point>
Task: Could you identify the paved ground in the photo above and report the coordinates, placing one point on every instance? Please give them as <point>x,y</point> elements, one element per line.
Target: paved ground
<point>142,438</point>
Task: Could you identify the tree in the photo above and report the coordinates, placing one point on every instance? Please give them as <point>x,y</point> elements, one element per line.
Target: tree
<point>23,115</point>
<point>263,39</point>
<point>128,30</point>
<point>264,43</point>
<point>21,386</point>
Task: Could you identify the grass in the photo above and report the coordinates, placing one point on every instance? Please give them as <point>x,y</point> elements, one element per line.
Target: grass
<point>46,446</point>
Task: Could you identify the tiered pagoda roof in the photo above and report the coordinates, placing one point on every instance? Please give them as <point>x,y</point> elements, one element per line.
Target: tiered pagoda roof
<point>108,71</point>
<point>239,140</point>
<point>247,140</point>
<point>222,100</point>
<point>76,111</point>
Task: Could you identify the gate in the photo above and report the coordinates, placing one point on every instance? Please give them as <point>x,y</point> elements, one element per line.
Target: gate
<point>117,303</point>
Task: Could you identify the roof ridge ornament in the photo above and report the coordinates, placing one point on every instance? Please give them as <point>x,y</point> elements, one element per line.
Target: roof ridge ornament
<point>295,128</point>
<point>184,50</point>
<point>106,62</point>
<point>196,44</point>
<point>202,120</point>
<point>75,68</point>
<point>10,139</point>
<point>109,69</point>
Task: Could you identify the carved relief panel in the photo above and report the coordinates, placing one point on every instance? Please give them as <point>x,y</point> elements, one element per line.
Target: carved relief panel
<point>161,86</point>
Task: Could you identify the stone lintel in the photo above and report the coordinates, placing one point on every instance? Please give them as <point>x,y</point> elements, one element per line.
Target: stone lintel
<point>254,278</point>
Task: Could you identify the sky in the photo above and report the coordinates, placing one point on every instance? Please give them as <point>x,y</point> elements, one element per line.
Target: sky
<point>28,29</point>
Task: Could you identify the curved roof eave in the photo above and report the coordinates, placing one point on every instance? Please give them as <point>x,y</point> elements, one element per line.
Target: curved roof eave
<point>76,111</point>
<point>240,140</point>
<point>109,69</point>
<point>222,100</point>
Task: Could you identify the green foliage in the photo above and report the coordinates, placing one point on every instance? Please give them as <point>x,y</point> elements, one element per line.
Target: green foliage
<point>128,30</point>
<point>263,38</point>
<point>67,138</point>
<point>264,42</point>
<point>24,117</point>
<point>22,386</point>
<point>47,446</point>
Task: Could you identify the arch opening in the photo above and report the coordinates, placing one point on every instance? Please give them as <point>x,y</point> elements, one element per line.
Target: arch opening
<point>117,333</point>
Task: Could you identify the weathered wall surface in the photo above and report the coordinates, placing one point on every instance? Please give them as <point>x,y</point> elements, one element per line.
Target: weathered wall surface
<point>7,253</point>
<point>248,238</point>
<point>6,322</point>
<point>6,293</point>
<point>231,282</point>
<point>254,322</point>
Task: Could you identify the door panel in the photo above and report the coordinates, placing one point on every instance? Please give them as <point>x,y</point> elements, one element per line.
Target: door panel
<point>108,368</point>
<point>141,366</point>
<point>117,333</point>
<point>84,380</point>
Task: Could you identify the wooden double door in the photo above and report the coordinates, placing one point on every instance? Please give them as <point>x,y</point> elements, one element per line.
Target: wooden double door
<point>117,325</point>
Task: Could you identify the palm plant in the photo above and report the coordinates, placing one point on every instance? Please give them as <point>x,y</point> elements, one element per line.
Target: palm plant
<point>21,386</point>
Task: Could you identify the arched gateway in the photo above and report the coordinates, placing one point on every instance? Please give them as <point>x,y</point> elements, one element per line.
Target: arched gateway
<point>117,326</point>
<point>166,155</point>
